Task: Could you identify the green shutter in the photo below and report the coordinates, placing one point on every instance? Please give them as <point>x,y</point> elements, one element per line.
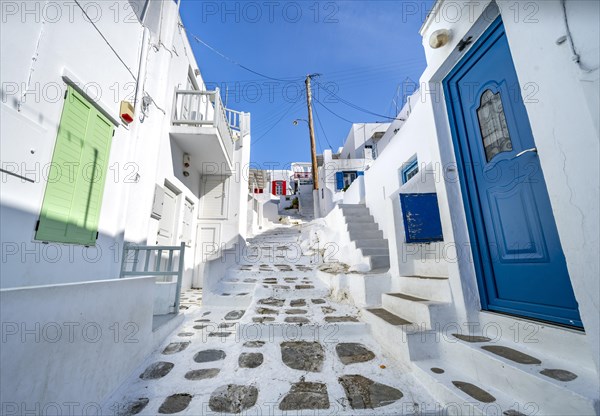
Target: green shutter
<point>73,198</point>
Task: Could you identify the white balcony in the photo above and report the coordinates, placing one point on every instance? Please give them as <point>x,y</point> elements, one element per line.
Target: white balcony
<point>205,129</point>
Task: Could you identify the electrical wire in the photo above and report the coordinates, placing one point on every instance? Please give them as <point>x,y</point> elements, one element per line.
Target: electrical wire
<point>233,61</point>
<point>275,124</point>
<point>105,40</point>
<point>356,107</point>
<point>332,112</point>
<point>576,57</point>
<point>322,129</point>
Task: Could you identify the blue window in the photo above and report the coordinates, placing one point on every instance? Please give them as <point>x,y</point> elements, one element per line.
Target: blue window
<point>344,179</point>
<point>409,170</point>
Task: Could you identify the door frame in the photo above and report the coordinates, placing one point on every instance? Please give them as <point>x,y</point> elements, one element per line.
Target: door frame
<point>473,211</point>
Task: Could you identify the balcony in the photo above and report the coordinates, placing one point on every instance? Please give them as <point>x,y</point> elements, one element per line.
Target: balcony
<point>206,130</point>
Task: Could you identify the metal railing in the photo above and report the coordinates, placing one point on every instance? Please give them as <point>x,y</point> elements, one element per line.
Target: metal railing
<point>205,108</point>
<point>157,261</point>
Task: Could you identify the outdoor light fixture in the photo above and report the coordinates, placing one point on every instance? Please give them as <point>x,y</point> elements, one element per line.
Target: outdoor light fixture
<point>186,164</point>
<point>440,38</point>
<point>295,122</point>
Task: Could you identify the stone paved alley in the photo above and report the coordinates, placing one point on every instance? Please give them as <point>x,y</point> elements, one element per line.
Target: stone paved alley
<point>292,351</point>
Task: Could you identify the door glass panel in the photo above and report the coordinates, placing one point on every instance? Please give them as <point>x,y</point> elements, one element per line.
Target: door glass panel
<point>492,124</point>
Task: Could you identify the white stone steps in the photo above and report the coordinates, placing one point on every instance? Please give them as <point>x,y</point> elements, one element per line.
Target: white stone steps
<point>399,337</point>
<point>373,251</point>
<point>352,206</point>
<point>358,211</point>
<point>524,381</point>
<point>380,261</point>
<point>227,299</point>
<point>455,401</point>
<point>312,331</point>
<point>423,312</point>
<point>366,236</point>
<point>358,218</point>
<point>360,234</point>
<point>365,226</point>
<point>432,288</point>
<point>371,243</point>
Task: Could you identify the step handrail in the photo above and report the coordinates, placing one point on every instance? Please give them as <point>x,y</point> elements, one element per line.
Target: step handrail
<point>131,251</point>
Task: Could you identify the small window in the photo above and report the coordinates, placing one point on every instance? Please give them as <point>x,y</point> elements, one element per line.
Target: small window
<point>409,170</point>
<point>492,124</point>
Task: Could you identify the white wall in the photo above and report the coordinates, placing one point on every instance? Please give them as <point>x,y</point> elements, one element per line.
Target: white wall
<point>141,155</point>
<point>329,195</point>
<point>359,134</point>
<point>383,185</point>
<point>28,136</point>
<point>69,346</point>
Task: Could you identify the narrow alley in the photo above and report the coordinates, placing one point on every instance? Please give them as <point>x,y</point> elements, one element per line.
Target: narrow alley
<point>343,208</point>
<point>275,341</point>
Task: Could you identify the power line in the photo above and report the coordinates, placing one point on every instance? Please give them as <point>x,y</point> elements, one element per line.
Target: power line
<point>322,129</point>
<point>222,55</point>
<point>105,40</point>
<point>275,124</point>
<point>356,107</point>
<point>332,112</point>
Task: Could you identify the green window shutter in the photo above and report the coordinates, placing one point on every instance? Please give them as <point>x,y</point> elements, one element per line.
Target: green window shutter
<point>73,198</point>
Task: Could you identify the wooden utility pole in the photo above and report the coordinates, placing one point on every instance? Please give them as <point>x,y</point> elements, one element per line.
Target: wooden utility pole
<point>313,149</point>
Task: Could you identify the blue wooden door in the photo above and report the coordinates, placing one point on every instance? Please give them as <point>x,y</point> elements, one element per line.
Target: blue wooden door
<point>518,256</point>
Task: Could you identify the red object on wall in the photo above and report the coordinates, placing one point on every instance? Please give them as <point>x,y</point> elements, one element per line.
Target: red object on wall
<point>284,187</point>
<point>274,187</point>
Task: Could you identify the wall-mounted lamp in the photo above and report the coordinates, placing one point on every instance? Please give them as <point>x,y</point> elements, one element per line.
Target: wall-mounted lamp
<point>186,164</point>
<point>440,38</point>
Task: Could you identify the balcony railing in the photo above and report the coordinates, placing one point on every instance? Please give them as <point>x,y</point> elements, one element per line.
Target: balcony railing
<point>205,109</point>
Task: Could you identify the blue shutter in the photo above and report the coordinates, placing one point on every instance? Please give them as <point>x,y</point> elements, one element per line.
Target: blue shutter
<point>339,180</point>
<point>421,218</point>
<point>360,173</point>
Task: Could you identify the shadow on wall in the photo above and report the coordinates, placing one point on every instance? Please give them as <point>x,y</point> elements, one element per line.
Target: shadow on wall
<point>28,262</point>
<point>60,305</point>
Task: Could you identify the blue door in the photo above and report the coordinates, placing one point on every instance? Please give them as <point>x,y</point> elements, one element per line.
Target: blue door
<point>517,252</point>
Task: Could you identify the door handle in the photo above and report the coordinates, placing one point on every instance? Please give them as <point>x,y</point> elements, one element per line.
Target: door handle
<point>533,149</point>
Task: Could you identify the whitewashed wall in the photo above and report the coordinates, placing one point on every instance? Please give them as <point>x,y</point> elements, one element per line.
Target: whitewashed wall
<point>141,156</point>
<point>51,356</point>
<point>329,195</point>
<point>383,185</point>
<point>28,135</point>
<point>564,120</point>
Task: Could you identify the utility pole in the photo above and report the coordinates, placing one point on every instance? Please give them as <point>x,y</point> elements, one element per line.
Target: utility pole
<point>313,149</point>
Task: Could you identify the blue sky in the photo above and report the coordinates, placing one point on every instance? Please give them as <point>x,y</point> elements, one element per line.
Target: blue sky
<point>365,50</point>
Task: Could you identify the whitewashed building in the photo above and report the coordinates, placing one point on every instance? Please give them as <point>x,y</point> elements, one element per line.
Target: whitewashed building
<point>337,171</point>
<point>485,197</point>
<point>83,175</point>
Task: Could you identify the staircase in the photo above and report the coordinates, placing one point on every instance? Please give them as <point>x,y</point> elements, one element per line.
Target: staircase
<point>366,236</point>
<point>503,366</point>
<point>306,204</point>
